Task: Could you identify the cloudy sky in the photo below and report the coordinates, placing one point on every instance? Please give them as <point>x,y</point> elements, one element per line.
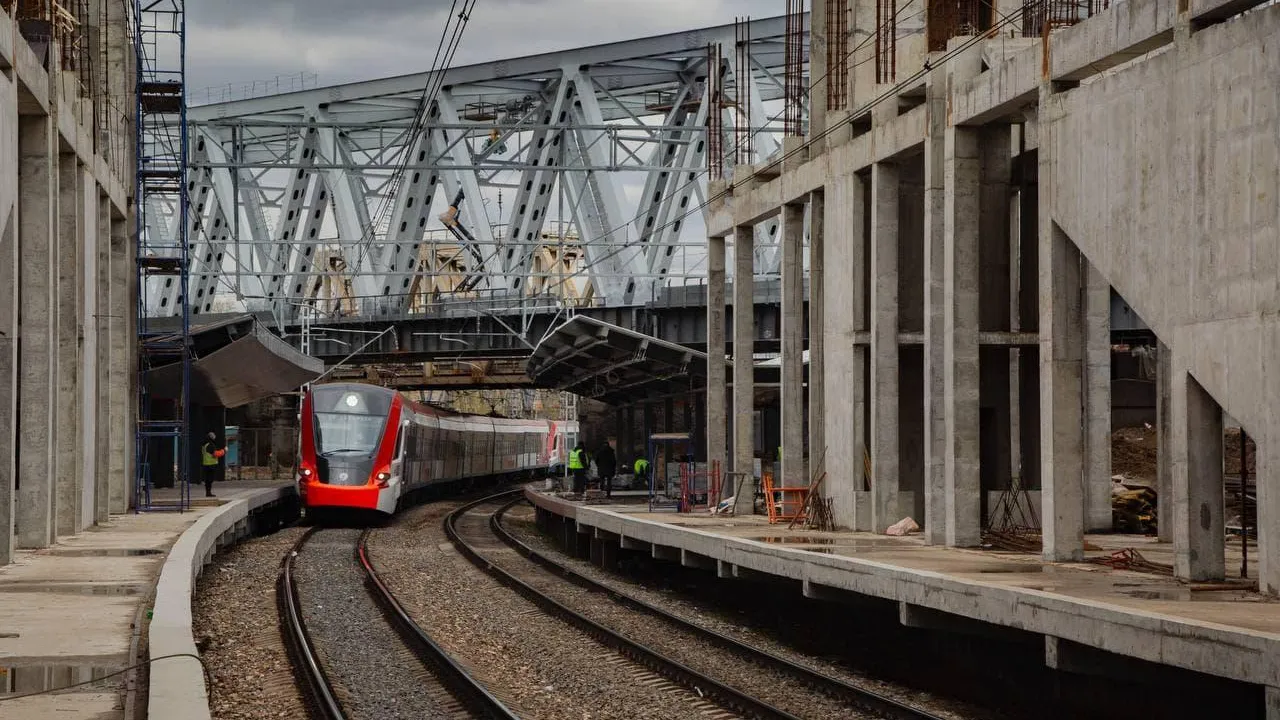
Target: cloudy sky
<point>234,42</point>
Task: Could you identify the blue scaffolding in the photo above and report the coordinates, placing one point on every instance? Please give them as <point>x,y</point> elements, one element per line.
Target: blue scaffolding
<point>163,432</point>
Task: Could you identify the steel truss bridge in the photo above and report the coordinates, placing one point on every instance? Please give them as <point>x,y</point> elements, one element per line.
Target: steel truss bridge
<point>536,188</point>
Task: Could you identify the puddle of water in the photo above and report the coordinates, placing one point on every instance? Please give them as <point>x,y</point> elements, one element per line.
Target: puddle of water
<point>105,552</point>
<point>35,678</point>
<point>796,540</point>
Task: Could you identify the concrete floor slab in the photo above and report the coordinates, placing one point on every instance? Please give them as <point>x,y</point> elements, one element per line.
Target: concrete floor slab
<point>1147,615</point>
<point>67,612</point>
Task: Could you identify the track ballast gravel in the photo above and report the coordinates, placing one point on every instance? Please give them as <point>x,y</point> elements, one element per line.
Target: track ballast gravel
<point>235,621</point>
<point>538,665</point>
<point>519,521</point>
<point>375,676</point>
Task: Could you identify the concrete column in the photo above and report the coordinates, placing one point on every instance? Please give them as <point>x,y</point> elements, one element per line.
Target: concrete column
<point>1267,519</point>
<point>120,450</point>
<point>1061,369</point>
<point>67,433</point>
<point>87,386</point>
<point>818,71</point>
<point>102,331</point>
<point>717,385</point>
<point>1097,412</point>
<point>9,281</point>
<point>1164,443</point>
<point>960,336</point>
<point>743,364</point>
<point>1198,513</point>
<point>817,334</point>
<point>844,305</point>
<point>37,416</point>
<point>884,346</point>
<point>935,413</point>
<point>793,460</point>
<point>995,146</point>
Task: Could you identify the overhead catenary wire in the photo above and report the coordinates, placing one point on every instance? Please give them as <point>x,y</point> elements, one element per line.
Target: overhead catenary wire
<point>450,39</point>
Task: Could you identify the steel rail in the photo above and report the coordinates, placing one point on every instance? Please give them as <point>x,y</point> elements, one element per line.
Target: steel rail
<point>860,697</point>
<point>297,640</point>
<point>726,696</point>
<point>465,688</point>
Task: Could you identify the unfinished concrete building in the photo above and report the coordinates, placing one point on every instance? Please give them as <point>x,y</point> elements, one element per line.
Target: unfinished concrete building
<point>66,267</point>
<point>976,179</point>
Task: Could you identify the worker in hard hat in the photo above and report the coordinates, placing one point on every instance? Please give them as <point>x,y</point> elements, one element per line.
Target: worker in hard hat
<point>210,455</point>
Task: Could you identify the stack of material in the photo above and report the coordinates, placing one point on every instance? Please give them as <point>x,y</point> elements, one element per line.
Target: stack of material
<point>1133,508</point>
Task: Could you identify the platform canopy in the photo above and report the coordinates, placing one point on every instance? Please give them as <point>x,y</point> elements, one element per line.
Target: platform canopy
<point>609,363</point>
<point>238,361</point>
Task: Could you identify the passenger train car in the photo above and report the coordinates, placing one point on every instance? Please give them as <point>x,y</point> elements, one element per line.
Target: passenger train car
<point>366,447</point>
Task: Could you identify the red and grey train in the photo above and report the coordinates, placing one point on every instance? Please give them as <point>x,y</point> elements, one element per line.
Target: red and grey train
<point>366,447</point>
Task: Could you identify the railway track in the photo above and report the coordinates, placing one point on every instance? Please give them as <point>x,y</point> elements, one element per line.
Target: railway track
<point>860,697</point>
<point>738,677</point>
<point>394,669</point>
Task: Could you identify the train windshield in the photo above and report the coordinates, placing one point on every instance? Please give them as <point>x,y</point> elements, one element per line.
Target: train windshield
<point>348,421</point>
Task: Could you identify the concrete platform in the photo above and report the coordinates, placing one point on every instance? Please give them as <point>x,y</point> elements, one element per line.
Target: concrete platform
<point>75,611</point>
<point>1079,608</point>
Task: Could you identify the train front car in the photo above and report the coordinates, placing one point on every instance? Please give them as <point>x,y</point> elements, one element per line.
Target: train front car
<point>348,438</point>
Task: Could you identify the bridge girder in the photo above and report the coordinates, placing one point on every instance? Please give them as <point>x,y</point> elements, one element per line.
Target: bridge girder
<point>606,142</point>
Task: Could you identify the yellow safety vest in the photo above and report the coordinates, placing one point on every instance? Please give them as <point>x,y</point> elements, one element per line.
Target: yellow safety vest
<point>206,456</point>
<point>575,460</point>
<point>641,465</point>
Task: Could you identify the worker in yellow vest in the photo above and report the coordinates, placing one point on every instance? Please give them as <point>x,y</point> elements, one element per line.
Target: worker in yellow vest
<point>578,461</point>
<point>209,456</point>
<point>641,471</point>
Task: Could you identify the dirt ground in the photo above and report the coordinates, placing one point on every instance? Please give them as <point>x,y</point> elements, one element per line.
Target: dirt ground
<point>1133,452</point>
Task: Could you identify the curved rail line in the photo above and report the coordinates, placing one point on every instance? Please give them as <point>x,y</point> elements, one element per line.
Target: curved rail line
<point>465,688</point>
<point>323,702</point>
<point>724,695</point>
<point>297,641</point>
<point>860,697</point>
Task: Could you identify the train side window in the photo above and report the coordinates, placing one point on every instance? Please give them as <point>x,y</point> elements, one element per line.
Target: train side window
<point>399,443</point>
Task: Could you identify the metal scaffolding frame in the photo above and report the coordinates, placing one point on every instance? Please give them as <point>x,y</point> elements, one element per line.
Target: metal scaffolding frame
<point>162,259</point>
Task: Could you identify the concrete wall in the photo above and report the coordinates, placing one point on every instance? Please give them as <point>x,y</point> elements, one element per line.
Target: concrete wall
<point>64,181</point>
<point>1180,152</point>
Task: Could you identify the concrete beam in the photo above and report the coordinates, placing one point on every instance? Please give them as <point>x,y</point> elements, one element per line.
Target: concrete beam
<point>926,618</point>
<point>754,202</point>
<point>38,248</point>
<point>884,346</point>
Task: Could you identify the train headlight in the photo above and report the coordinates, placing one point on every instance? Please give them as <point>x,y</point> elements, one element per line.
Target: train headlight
<point>306,472</point>
<point>383,478</point>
